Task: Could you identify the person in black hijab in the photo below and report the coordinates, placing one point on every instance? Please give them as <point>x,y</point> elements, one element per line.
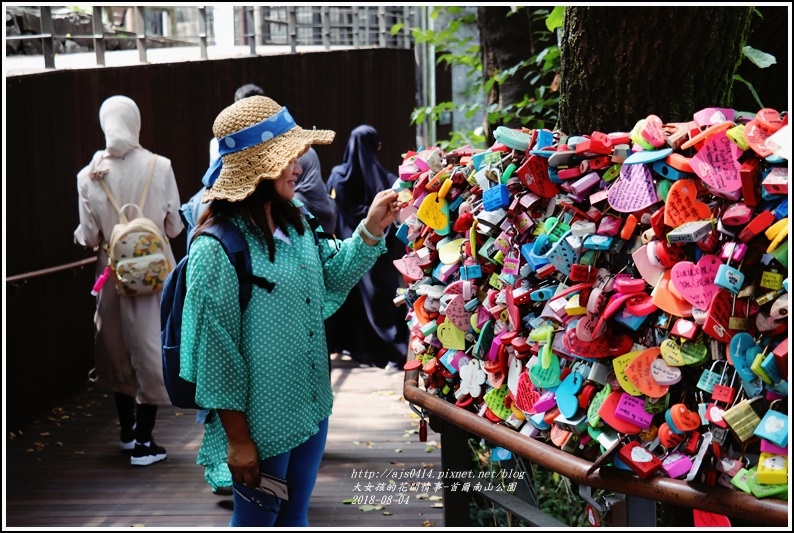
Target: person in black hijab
<point>368,325</point>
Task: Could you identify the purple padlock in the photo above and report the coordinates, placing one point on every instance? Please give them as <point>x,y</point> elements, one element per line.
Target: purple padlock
<point>546,401</point>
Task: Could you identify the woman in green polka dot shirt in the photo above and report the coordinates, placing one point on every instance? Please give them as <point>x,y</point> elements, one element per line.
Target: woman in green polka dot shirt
<point>264,374</point>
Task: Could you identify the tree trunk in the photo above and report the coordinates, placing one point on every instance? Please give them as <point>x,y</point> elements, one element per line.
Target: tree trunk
<point>620,65</point>
<point>505,40</point>
<point>768,32</point>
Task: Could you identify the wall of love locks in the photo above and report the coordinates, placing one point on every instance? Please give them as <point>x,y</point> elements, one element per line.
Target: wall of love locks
<point>620,296</point>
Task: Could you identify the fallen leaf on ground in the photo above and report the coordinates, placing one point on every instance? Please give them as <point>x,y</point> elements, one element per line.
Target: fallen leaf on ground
<point>368,508</point>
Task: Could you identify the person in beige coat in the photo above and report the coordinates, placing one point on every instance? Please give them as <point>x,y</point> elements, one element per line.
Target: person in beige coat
<point>127,344</point>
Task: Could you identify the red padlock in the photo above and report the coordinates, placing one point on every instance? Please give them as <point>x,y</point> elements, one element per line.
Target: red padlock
<point>641,461</point>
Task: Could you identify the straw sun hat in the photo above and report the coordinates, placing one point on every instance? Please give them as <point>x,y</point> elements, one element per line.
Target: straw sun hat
<point>257,140</point>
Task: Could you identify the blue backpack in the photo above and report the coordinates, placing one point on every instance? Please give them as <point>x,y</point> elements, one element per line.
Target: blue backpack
<point>181,392</point>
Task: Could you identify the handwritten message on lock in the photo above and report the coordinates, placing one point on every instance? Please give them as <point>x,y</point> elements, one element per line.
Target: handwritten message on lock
<point>682,205</point>
<point>716,164</point>
<point>687,194</point>
<point>633,191</point>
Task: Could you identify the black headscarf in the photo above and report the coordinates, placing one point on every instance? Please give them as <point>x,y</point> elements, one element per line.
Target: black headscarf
<point>310,189</point>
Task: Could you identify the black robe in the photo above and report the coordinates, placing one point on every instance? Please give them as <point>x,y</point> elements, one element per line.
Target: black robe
<point>368,325</point>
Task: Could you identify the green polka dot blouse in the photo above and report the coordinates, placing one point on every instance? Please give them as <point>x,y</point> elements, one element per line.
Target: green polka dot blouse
<point>272,362</point>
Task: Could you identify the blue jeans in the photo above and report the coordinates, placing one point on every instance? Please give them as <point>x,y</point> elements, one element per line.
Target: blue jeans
<point>299,467</point>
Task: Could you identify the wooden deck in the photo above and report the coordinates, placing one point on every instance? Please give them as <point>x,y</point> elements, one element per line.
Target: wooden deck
<point>66,471</point>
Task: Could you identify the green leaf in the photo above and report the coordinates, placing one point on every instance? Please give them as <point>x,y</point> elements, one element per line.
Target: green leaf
<point>554,19</point>
<point>759,58</point>
<point>395,29</point>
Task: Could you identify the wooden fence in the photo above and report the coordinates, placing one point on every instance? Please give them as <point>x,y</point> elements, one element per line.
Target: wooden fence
<point>52,131</point>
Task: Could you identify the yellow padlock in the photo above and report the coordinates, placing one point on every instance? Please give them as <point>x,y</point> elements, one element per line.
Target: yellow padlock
<point>743,419</point>
<point>772,469</point>
<point>758,370</point>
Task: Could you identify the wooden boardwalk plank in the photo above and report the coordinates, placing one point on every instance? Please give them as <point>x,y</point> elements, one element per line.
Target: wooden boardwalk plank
<point>67,471</point>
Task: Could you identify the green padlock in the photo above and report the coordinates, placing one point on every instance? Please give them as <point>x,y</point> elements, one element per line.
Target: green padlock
<point>781,254</point>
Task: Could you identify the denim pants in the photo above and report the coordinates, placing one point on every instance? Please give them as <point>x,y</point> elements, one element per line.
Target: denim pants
<point>299,467</point>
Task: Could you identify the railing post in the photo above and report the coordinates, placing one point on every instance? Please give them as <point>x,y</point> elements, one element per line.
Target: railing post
<point>140,33</point>
<point>408,23</point>
<point>202,12</point>
<point>364,14</point>
<point>250,31</point>
<point>47,48</point>
<point>382,26</point>
<point>292,32</point>
<point>99,36</point>
<point>455,459</point>
<point>325,20</point>
<point>354,28</point>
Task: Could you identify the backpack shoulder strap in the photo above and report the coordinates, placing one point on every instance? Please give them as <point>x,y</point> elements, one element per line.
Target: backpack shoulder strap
<point>314,223</point>
<point>120,210</point>
<point>122,217</point>
<point>233,242</point>
<point>148,182</point>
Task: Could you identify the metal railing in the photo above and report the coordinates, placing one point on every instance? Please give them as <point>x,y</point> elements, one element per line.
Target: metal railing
<point>717,499</point>
<point>294,26</point>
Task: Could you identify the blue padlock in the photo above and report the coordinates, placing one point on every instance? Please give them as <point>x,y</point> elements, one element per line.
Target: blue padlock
<point>729,278</point>
<point>668,172</point>
<point>545,138</point>
<point>535,253</point>
<point>630,321</point>
<point>781,211</point>
<point>543,293</point>
<point>496,197</point>
<point>470,272</point>
<point>773,427</point>
<point>402,233</point>
<point>770,368</point>
<point>597,242</point>
<point>478,159</point>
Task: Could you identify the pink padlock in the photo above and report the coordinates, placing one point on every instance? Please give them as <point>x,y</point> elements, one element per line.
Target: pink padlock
<point>632,409</point>
<point>585,183</point>
<point>676,465</point>
<point>768,447</point>
<point>733,251</point>
<point>626,284</point>
<point>737,215</point>
<point>609,225</point>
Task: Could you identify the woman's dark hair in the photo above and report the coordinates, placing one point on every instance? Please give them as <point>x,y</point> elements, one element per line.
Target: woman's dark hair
<point>252,211</point>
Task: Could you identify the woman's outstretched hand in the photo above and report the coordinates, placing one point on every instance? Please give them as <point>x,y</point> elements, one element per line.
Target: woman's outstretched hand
<point>383,212</point>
